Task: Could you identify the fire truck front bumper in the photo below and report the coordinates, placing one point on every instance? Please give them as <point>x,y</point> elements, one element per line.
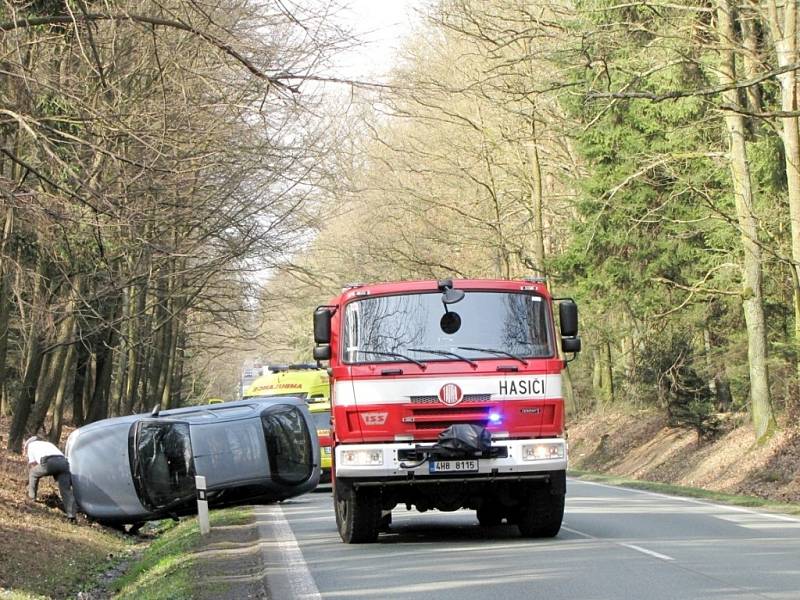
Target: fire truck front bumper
<point>407,460</point>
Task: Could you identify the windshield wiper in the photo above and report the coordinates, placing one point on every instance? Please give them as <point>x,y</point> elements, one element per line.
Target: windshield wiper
<point>420,364</point>
<point>495,351</point>
<point>445,353</point>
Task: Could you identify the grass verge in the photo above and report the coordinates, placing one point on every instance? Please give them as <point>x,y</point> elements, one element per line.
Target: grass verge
<point>166,569</point>
<point>677,490</point>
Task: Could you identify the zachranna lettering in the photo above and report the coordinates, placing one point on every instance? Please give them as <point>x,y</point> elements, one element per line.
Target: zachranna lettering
<point>522,387</point>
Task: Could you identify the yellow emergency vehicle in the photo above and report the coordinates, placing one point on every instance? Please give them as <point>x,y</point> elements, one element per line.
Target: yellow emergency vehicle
<point>311,384</point>
<point>321,415</point>
<point>302,381</point>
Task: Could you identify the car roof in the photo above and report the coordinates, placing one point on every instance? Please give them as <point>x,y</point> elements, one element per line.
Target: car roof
<point>226,410</point>
<point>204,413</point>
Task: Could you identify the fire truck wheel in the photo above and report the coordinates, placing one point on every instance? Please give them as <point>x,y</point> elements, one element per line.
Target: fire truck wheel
<point>358,515</point>
<point>385,523</point>
<point>541,513</point>
<point>489,516</point>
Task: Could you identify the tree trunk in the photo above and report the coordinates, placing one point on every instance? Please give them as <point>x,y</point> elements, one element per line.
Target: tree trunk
<point>89,385</point>
<point>56,362</point>
<point>122,364</point>
<point>784,39</point>
<point>45,390</point>
<point>67,376</point>
<point>606,374</point>
<point>751,62</point>
<point>181,360</point>
<point>168,396</point>
<point>101,392</point>
<point>597,377</point>
<point>536,229</point>
<point>98,406</point>
<point>135,351</point>
<point>5,300</point>
<point>570,402</point>
<point>158,354</point>
<point>82,362</point>
<point>753,305</point>
<point>33,363</point>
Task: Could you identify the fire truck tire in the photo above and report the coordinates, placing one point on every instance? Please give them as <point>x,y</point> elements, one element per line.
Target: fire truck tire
<point>541,513</point>
<point>489,516</point>
<point>358,515</point>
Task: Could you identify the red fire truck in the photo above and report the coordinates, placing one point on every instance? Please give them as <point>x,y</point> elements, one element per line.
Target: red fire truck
<point>415,366</point>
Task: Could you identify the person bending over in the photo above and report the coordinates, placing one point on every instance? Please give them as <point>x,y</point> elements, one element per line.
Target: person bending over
<point>46,459</point>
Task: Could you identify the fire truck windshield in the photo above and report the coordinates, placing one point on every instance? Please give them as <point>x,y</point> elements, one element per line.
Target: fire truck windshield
<point>399,327</point>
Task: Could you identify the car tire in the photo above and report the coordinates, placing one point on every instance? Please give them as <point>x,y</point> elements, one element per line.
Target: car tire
<point>541,513</point>
<point>358,514</point>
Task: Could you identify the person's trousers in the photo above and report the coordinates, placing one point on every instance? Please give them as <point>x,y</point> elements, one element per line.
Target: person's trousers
<point>58,468</point>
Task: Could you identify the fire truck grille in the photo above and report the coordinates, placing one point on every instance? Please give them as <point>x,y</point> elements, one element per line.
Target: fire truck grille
<point>435,399</point>
<point>441,417</point>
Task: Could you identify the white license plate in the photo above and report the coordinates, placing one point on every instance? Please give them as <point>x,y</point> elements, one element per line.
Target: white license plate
<point>453,466</point>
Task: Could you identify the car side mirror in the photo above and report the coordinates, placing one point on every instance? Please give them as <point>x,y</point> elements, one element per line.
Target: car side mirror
<point>568,317</point>
<point>322,325</point>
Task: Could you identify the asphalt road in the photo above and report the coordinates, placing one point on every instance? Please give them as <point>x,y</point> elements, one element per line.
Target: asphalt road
<point>615,544</point>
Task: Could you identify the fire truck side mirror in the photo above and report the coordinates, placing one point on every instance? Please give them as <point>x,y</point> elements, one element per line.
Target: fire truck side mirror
<point>568,317</point>
<point>322,352</point>
<point>571,344</point>
<point>322,325</point>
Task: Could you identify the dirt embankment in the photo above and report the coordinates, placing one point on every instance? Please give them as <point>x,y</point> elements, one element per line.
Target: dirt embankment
<point>640,445</point>
<point>40,551</point>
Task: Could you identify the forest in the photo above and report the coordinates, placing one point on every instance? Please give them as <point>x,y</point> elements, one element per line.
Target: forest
<point>183,182</point>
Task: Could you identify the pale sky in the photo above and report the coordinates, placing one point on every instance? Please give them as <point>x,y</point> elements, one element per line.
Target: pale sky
<point>383,25</point>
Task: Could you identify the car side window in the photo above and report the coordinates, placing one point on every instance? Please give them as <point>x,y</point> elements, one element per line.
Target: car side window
<point>288,444</point>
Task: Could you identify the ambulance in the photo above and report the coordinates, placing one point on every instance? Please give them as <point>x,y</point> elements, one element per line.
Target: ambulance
<point>303,381</point>
<point>309,383</point>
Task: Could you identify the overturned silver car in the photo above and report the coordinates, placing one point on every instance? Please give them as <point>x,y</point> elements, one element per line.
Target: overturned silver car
<point>142,467</point>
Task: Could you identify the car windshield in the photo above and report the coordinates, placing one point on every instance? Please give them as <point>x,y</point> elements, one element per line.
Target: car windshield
<point>483,325</point>
<point>289,446</point>
<point>162,463</point>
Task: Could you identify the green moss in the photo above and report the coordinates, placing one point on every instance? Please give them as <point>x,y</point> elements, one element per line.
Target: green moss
<point>15,595</point>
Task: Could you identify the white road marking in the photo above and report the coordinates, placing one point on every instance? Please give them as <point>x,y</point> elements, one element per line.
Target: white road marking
<point>575,531</point>
<point>288,575</point>
<point>777,517</point>
<point>646,551</point>
<point>623,544</point>
<point>756,521</point>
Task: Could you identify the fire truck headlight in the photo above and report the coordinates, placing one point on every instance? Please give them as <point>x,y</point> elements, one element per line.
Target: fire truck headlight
<point>362,458</point>
<point>545,451</point>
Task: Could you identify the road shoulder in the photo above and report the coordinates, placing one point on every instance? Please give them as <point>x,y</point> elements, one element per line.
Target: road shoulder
<point>229,563</point>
